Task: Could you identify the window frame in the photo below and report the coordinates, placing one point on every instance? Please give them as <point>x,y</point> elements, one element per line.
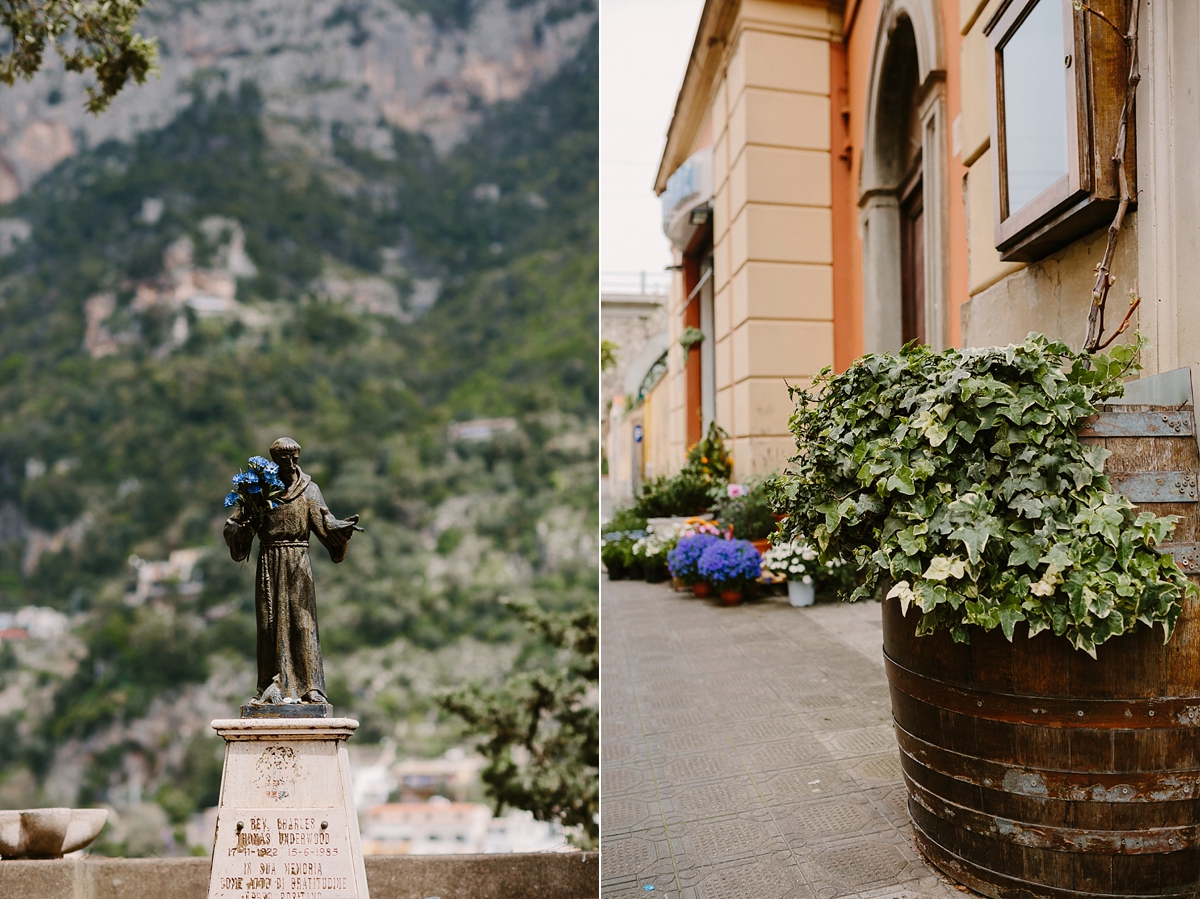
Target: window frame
<point>1084,198</point>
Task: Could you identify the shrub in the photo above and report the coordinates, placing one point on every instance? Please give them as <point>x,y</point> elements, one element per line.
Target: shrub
<point>616,552</point>
<point>746,509</point>
<point>683,494</point>
<point>626,520</point>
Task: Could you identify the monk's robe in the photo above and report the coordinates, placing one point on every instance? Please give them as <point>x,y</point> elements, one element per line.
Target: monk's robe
<point>285,601</point>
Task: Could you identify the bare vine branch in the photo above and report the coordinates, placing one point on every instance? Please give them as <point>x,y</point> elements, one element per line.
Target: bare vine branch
<point>1104,279</point>
<point>1080,5</point>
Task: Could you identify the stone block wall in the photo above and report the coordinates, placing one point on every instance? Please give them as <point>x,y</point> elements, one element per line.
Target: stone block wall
<point>567,875</point>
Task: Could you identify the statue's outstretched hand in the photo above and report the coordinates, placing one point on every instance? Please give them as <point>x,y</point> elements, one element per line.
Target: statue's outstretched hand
<point>353,519</point>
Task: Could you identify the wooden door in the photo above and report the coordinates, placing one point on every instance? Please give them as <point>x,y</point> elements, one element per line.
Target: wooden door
<point>912,261</point>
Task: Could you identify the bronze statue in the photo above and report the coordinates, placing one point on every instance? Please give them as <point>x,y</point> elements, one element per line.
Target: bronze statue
<point>289,647</point>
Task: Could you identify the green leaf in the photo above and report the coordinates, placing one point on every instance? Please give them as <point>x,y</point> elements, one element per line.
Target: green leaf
<point>942,567</point>
<point>974,539</point>
<point>902,481</point>
<point>1024,552</point>
<point>1009,616</point>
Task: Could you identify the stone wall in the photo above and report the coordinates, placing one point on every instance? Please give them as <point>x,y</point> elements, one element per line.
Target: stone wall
<point>565,875</point>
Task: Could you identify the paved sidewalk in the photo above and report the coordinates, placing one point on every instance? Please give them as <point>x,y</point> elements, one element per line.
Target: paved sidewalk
<point>747,753</point>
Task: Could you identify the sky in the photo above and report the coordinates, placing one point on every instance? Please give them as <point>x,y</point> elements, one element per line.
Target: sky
<point>644,49</point>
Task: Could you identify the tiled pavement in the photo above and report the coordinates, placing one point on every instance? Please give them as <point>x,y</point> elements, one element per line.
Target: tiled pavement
<point>746,753</point>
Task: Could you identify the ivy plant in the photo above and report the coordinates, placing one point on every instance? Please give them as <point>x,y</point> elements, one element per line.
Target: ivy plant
<point>957,483</point>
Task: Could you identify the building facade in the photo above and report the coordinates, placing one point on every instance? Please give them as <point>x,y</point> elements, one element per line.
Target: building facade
<point>844,177</point>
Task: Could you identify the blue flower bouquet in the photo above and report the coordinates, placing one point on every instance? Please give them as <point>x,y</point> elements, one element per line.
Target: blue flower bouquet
<point>256,490</point>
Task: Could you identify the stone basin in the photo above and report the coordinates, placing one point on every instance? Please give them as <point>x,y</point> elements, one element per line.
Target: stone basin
<point>48,832</point>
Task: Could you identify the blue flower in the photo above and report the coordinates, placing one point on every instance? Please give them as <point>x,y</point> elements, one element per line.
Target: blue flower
<point>231,499</point>
<point>271,468</point>
<point>274,481</point>
<point>256,489</point>
<point>683,560</point>
<point>729,563</point>
<point>250,478</point>
<point>237,479</point>
<point>259,462</point>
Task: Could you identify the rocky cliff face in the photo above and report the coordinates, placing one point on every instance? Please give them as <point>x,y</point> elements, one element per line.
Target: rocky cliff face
<point>366,66</point>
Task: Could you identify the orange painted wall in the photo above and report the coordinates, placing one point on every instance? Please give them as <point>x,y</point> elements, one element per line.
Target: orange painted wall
<point>847,251</point>
<point>855,56</point>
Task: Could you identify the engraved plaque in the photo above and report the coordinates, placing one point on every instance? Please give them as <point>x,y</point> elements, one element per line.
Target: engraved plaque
<point>274,853</point>
<point>286,827</point>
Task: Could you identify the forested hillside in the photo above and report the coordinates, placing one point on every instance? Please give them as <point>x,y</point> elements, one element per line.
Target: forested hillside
<point>170,305</point>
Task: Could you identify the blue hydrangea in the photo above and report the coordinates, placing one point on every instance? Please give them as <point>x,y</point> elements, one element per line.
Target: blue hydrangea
<point>683,559</point>
<point>231,499</point>
<point>729,564</point>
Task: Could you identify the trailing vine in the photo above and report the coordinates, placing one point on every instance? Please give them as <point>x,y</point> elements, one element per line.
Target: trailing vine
<point>957,483</point>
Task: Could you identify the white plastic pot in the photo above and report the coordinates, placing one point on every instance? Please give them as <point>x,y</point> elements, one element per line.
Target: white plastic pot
<point>800,594</point>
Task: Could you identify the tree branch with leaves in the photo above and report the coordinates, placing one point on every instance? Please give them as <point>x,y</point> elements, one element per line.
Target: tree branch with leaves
<point>541,729</point>
<point>87,36</point>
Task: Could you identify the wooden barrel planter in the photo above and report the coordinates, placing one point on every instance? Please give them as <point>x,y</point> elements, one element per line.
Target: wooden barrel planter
<point>1034,770</point>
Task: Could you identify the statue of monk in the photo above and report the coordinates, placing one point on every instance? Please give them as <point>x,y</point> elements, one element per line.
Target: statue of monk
<point>285,601</point>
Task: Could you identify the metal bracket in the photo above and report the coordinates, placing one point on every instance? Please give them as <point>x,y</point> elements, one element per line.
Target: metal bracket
<point>1156,486</point>
<point>1187,555</point>
<point>1140,424</point>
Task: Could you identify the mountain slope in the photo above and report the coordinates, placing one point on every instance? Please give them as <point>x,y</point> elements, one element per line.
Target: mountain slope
<point>182,300</point>
<point>431,67</point>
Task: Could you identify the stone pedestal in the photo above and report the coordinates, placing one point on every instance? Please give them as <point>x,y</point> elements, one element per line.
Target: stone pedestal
<point>286,825</point>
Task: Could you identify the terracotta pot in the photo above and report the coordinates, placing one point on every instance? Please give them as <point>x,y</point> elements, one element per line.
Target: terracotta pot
<point>761,545</point>
<point>731,597</point>
<point>702,590</point>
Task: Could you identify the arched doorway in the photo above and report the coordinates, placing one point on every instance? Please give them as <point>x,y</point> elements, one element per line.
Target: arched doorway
<point>902,196</point>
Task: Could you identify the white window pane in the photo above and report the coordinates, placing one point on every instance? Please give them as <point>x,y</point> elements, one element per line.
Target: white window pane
<point>1035,104</point>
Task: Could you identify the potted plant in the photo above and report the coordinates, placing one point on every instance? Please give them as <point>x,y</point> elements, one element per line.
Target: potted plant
<point>745,512</point>
<point>683,561</point>
<point>709,457</point>
<point>731,566</point>
<point>797,561</point>
<point>651,551</point>
<point>1029,607</point>
<point>616,552</point>
<point>957,482</point>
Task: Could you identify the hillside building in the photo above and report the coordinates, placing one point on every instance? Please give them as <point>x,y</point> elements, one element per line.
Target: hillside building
<point>843,177</point>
